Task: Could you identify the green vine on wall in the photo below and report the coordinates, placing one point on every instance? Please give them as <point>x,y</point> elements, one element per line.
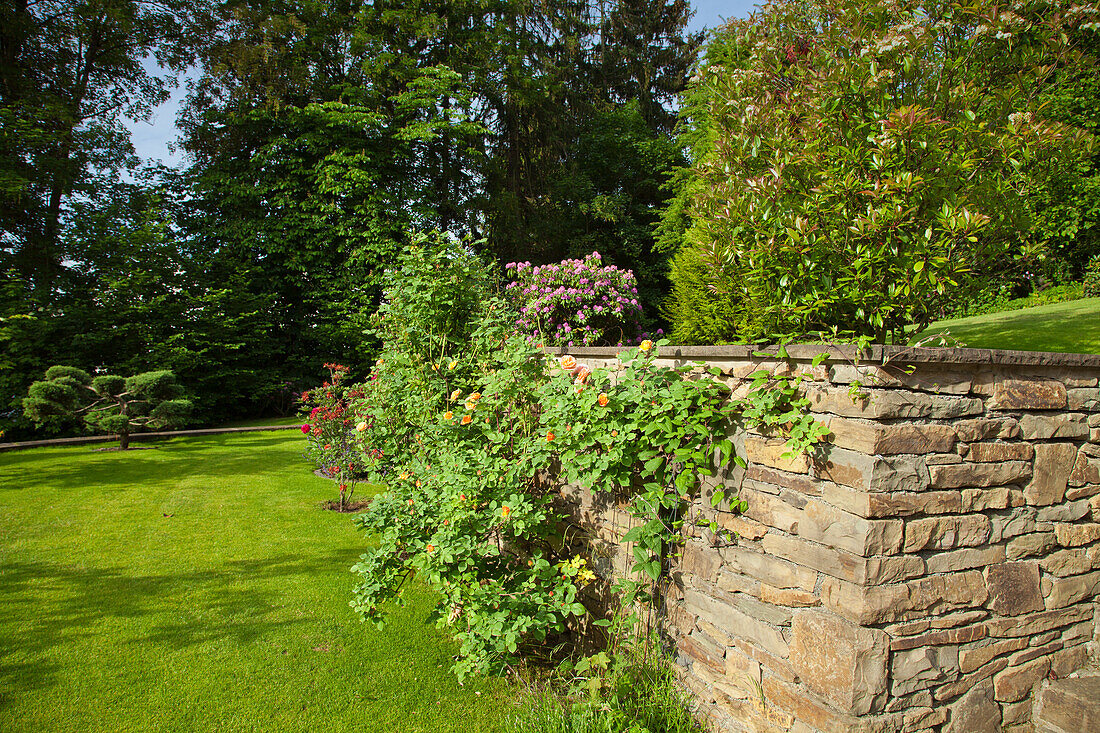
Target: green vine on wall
<point>487,426</point>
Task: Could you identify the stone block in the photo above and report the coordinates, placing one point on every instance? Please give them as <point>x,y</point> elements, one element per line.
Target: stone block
<point>975,712</point>
<point>767,568</point>
<point>922,667</point>
<point>1083,398</point>
<point>970,431</point>
<point>1029,545</point>
<point>957,687</point>
<point>733,582</point>
<point>1012,524</point>
<point>773,452</point>
<point>879,404</point>
<point>874,438</point>
<point>1082,492</point>
<point>1069,562</point>
<point>1015,714</point>
<point>960,635</point>
<point>843,663</point>
<point>974,656</point>
<point>700,560</point>
<point>964,559</point>
<point>954,476</point>
<point>740,665</point>
<point>830,526</point>
<point>1075,535</point>
<point>1073,589</point>
<point>792,597</point>
<point>946,532</point>
<point>799,482</point>
<point>1028,394</point>
<point>1034,652</point>
<point>1068,661</point>
<point>997,452</point>
<point>741,526</point>
<point>769,663</point>
<point>924,379</point>
<point>1051,426</point>
<point>1086,470</point>
<point>1015,683</point>
<point>1067,511</point>
<point>976,500</point>
<point>869,473</point>
<point>904,601</point>
<point>1037,623</point>
<point>1071,705</point>
<point>769,510</point>
<point>1053,465</point>
<point>1014,588</point>
<point>842,564</point>
<point>700,653</point>
<point>735,622</point>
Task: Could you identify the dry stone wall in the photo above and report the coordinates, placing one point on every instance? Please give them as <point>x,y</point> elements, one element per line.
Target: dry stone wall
<point>925,569</point>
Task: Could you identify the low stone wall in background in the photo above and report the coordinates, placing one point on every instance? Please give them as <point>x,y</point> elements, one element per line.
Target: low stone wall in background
<point>926,569</point>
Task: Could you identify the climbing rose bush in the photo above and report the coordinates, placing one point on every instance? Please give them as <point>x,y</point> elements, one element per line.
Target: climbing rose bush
<point>576,302</point>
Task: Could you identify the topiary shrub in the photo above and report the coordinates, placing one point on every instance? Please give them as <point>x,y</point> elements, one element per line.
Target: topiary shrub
<point>108,403</point>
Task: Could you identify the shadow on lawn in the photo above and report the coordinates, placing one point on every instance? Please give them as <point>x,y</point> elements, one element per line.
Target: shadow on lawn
<point>60,605</point>
<point>139,469</point>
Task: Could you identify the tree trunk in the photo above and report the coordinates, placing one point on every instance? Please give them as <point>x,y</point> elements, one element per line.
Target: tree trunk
<point>124,440</point>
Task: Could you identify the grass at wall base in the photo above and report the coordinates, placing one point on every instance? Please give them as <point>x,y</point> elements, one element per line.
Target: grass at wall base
<point>201,586</point>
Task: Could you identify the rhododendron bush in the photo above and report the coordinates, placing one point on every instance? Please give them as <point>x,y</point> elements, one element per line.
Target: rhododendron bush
<point>576,302</point>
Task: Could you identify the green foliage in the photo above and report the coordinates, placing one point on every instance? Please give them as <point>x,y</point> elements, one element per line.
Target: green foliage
<point>71,75</point>
<point>1091,284</point>
<point>109,403</point>
<point>702,307</point>
<point>859,166</point>
<point>632,690</point>
<point>464,419</point>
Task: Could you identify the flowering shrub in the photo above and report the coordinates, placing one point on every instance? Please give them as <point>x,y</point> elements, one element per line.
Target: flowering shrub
<point>330,429</point>
<point>482,420</point>
<point>1091,285</point>
<point>576,302</point>
<point>860,165</point>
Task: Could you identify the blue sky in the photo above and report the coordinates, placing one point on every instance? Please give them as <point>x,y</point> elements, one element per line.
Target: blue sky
<point>151,139</point>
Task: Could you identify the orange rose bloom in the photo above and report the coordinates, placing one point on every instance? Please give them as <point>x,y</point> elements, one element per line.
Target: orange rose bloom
<point>475,396</point>
<point>430,548</point>
<point>448,415</point>
<point>568,362</point>
<point>505,511</point>
<point>646,345</point>
<point>602,399</point>
<point>471,404</point>
<point>550,436</point>
<point>456,394</point>
<point>466,419</point>
<point>614,433</point>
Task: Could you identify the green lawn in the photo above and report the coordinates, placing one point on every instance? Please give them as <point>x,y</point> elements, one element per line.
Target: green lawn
<point>200,586</point>
<point>1069,327</point>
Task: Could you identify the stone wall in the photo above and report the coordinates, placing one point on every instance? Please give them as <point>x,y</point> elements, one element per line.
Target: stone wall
<point>925,569</point>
